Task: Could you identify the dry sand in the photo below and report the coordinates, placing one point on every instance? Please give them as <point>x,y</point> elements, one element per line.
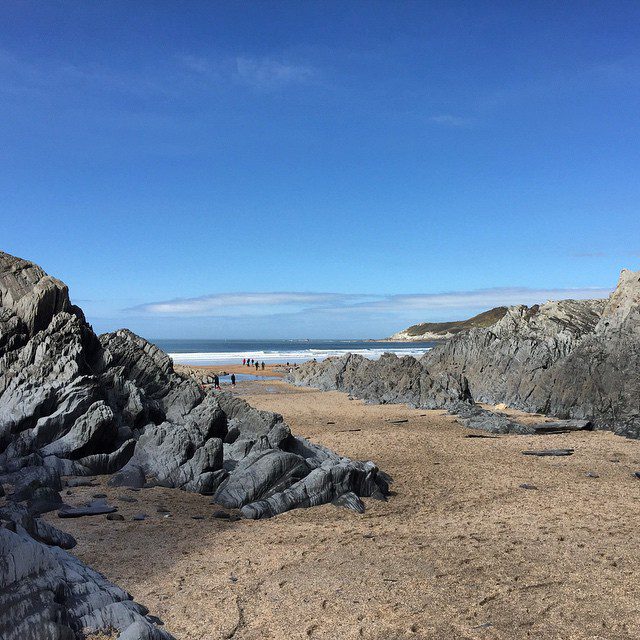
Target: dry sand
<point>460,550</point>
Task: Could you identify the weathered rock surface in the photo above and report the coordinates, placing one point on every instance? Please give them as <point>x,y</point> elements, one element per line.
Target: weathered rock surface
<point>73,404</point>
<point>46,593</point>
<point>574,359</point>
<point>388,380</point>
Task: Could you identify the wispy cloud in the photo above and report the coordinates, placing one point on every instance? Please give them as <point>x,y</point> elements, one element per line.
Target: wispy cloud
<point>265,73</point>
<point>173,76</point>
<point>421,306</point>
<point>225,303</point>
<point>449,120</point>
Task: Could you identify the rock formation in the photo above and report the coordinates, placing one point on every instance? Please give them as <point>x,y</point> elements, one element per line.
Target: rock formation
<point>572,359</point>
<point>75,404</point>
<point>426,331</point>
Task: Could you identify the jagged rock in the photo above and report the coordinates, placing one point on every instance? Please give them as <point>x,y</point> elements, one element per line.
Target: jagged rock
<point>574,359</point>
<point>73,404</point>
<point>47,594</point>
<point>388,380</point>
<point>350,501</point>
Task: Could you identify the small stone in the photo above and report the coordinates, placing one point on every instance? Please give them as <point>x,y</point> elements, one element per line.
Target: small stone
<point>525,485</point>
<point>139,516</point>
<point>127,499</point>
<point>197,517</point>
<point>591,474</point>
<point>162,510</point>
<point>549,452</point>
<point>99,495</point>
<point>115,516</point>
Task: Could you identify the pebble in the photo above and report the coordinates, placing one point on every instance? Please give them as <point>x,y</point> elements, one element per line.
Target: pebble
<point>525,485</point>
<point>115,516</point>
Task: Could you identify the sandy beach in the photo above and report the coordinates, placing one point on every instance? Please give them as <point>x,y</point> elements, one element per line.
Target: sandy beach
<point>458,551</point>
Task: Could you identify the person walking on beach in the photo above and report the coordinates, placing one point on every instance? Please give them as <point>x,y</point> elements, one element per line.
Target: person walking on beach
<point>263,366</point>
<point>233,379</point>
<point>244,361</point>
<point>216,381</point>
<point>257,365</point>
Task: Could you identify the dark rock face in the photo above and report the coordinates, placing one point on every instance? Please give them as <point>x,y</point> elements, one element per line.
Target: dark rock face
<point>575,359</point>
<point>73,404</point>
<point>47,593</point>
<point>387,380</point>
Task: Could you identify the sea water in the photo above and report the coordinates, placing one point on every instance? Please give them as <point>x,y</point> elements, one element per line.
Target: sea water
<point>214,352</point>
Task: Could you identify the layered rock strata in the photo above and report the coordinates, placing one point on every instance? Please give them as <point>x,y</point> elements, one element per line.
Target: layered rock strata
<point>575,359</point>
<point>72,403</point>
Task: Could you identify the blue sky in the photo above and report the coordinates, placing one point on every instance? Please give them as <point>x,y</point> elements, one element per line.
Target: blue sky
<point>319,169</point>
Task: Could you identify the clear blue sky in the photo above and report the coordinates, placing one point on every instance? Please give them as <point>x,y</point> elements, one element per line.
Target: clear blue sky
<point>351,162</point>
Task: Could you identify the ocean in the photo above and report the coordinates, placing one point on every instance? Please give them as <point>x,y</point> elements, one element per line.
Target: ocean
<point>213,352</point>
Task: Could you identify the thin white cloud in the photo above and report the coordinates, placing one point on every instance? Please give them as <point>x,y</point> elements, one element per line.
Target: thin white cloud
<point>422,306</point>
<point>223,302</point>
<point>267,73</point>
<point>481,298</point>
<point>449,120</point>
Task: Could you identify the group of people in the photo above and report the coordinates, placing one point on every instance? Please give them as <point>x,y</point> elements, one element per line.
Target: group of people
<point>250,362</point>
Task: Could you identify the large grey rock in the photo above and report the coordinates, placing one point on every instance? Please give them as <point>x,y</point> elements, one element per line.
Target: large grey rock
<point>388,380</point>
<point>574,359</point>
<point>48,594</point>
<point>74,404</point>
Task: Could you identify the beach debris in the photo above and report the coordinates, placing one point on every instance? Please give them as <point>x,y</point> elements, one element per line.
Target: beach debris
<point>80,482</point>
<point>549,452</point>
<point>126,499</point>
<point>93,508</point>
<point>197,517</point>
<point>480,435</point>
<point>637,474</point>
<point>526,485</point>
<point>562,426</point>
<point>138,517</point>
<point>99,495</point>
<point>115,516</point>
<point>399,421</point>
<point>591,474</point>
<point>330,422</point>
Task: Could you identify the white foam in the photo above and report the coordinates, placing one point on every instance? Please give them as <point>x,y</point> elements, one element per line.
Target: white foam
<point>293,355</point>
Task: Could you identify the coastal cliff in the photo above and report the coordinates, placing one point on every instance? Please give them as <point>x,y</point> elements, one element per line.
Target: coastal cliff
<point>75,404</point>
<point>427,331</point>
<point>571,358</point>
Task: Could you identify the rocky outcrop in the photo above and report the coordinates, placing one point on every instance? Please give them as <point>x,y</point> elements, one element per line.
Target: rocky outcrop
<point>426,331</point>
<point>388,380</point>
<point>575,359</point>
<point>75,404</point>
<point>46,593</point>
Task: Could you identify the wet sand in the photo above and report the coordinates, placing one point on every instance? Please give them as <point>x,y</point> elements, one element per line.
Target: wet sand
<point>460,551</point>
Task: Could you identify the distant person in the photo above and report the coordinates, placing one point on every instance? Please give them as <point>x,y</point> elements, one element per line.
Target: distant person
<point>244,360</point>
<point>216,382</point>
<point>233,379</point>
<point>257,365</point>
<point>287,364</point>
<point>263,366</point>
